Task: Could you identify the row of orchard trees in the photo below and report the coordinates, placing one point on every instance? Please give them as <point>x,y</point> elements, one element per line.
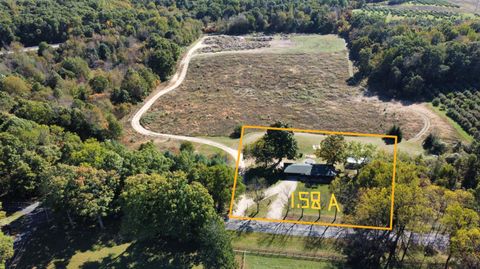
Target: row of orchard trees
<point>462,107</point>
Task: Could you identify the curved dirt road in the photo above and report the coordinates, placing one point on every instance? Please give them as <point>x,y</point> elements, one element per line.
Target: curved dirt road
<point>426,123</point>
<point>174,83</point>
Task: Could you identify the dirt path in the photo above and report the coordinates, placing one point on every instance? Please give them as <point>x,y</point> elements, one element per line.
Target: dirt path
<point>284,189</point>
<point>426,122</point>
<point>174,83</point>
<point>242,205</point>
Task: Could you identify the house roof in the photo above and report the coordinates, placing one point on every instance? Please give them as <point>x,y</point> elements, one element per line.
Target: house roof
<point>299,168</point>
<point>309,169</point>
<point>323,170</point>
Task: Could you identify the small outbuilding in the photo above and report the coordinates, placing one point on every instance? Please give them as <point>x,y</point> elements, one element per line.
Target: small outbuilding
<point>354,164</point>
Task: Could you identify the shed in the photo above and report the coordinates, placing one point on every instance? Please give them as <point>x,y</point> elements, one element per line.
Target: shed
<point>352,163</point>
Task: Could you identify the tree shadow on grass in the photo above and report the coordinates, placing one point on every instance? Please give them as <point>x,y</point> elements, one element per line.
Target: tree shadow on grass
<point>153,254</point>
<point>271,175</point>
<point>55,243</point>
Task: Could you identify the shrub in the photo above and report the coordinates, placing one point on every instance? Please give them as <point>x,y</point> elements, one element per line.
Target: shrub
<point>15,86</point>
<point>237,132</point>
<point>187,146</point>
<point>395,130</point>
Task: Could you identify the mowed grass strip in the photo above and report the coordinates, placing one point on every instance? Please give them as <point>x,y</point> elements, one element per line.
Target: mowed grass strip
<point>253,261</point>
<point>316,43</point>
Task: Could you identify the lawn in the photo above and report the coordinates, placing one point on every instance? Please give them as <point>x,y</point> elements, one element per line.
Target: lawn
<point>263,208</point>
<point>264,262</point>
<point>294,245</point>
<point>56,246</point>
<point>304,86</point>
<point>310,214</point>
<point>307,140</point>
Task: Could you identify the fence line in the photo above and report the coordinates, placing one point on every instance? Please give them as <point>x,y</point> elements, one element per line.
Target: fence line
<point>286,254</point>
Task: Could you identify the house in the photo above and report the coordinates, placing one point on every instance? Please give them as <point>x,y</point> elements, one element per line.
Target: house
<point>311,173</point>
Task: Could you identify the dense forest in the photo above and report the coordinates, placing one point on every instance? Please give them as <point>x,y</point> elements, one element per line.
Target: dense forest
<point>414,58</point>
<point>61,111</point>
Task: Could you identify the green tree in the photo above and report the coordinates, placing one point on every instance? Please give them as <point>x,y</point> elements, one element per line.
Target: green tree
<point>15,86</point>
<point>332,149</point>
<point>395,131</point>
<point>218,180</point>
<point>274,145</point>
<point>147,160</point>
<point>43,46</point>
<point>237,132</point>
<point>187,146</point>
<point>6,244</point>
<point>162,63</point>
<point>75,67</point>
<point>99,83</point>
<point>465,247</point>
<point>174,209</point>
<point>135,85</point>
<point>458,218</point>
<point>83,192</point>
<point>260,151</point>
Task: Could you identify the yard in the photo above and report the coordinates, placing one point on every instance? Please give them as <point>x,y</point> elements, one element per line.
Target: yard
<point>310,214</point>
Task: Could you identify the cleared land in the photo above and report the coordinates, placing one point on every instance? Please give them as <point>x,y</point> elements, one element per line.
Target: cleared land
<point>300,80</point>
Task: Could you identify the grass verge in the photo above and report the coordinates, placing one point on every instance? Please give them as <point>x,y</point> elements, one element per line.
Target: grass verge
<point>464,135</point>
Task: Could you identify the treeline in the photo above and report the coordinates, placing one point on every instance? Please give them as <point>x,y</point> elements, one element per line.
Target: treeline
<point>31,22</point>
<point>87,182</point>
<point>240,17</point>
<point>413,58</point>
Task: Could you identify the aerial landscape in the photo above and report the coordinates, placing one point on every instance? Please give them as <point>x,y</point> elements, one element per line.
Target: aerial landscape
<point>239,134</point>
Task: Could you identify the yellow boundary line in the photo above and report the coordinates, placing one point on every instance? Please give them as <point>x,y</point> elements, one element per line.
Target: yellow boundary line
<point>390,227</point>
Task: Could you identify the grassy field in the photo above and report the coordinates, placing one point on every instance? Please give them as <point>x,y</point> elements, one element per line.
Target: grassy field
<point>262,262</point>
<point>304,85</point>
<point>308,44</point>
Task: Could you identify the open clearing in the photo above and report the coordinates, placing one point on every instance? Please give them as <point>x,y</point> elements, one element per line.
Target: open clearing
<point>301,80</point>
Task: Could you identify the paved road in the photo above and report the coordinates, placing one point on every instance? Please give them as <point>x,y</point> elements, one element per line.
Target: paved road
<point>174,83</point>
<point>28,49</point>
<point>290,229</point>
